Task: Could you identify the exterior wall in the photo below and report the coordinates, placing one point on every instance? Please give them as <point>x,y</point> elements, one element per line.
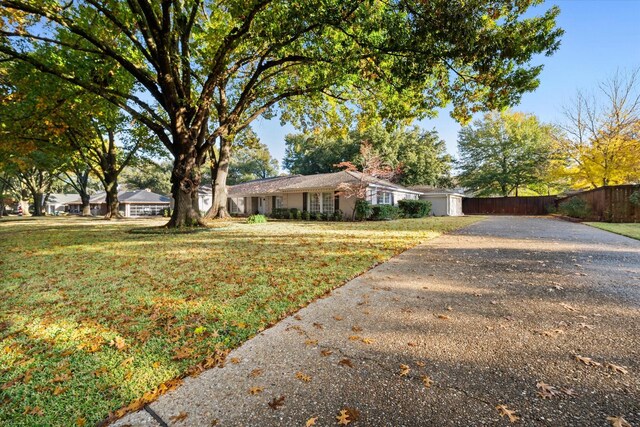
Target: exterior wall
<point>347,206</point>
<point>401,195</point>
<point>444,204</point>
<point>204,202</point>
<point>293,200</point>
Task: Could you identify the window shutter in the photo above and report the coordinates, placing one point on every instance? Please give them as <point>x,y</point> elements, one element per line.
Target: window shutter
<point>336,203</point>
<point>392,201</point>
<point>305,198</point>
<point>273,203</point>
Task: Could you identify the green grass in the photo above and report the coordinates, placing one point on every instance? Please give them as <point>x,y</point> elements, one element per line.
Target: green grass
<point>93,316</point>
<point>630,230</point>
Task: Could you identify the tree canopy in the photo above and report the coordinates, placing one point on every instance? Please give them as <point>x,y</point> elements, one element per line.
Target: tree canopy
<point>503,153</point>
<point>420,156</point>
<point>203,70</point>
<point>600,135</point>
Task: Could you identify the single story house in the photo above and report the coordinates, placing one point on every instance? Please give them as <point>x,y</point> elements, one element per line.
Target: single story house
<point>58,203</point>
<point>313,193</point>
<point>443,202</point>
<point>132,203</point>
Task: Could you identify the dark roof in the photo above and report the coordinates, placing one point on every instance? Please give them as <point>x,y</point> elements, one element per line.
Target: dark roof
<point>307,182</point>
<point>134,196</point>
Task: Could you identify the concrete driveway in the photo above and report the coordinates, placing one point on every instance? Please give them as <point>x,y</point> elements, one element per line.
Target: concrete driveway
<point>532,315</point>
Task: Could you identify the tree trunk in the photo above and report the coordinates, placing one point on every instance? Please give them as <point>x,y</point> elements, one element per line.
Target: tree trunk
<point>185,181</point>
<point>111,188</point>
<point>86,206</point>
<point>24,202</point>
<point>37,203</point>
<point>219,190</point>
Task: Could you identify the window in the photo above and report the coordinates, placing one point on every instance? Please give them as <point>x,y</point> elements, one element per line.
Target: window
<point>237,205</point>
<point>146,209</point>
<point>315,202</point>
<point>385,197</point>
<point>279,202</point>
<point>327,203</point>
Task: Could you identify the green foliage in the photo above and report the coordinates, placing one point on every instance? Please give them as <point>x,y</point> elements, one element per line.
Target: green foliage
<point>251,162</point>
<point>634,198</point>
<point>338,215</point>
<point>503,153</point>
<point>280,213</point>
<point>257,219</point>
<point>420,155</point>
<point>384,212</point>
<point>306,216</point>
<point>145,174</point>
<point>362,209</point>
<point>575,207</point>
<point>414,208</point>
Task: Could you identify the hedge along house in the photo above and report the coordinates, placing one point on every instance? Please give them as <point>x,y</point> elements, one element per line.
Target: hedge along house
<point>443,202</point>
<point>131,203</point>
<point>313,193</point>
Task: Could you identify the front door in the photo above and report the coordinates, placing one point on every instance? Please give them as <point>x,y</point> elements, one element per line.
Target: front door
<point>261,205</point>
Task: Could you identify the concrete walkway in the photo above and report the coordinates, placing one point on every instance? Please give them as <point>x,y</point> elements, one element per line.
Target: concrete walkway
<point>443,334</point>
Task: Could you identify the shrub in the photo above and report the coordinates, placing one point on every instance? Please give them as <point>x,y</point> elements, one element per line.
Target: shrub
<point>384,212</point>
<point>299,215</point>
<point>634,198</point>
<point>338,215</point>
<point>306,216</point>
<point>280,213</point>
<point>294,213</point>
<point>414,208</point>
<point>575,207</point>
<point>362,210</point>
<point>257,219</point>
<point>324,217</point>
<point>315,216</point>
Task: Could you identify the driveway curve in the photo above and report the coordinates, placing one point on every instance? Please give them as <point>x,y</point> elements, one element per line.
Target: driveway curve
<point>533,319</point>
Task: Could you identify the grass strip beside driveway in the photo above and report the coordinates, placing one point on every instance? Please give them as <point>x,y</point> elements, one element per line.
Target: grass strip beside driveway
<point>92,317</point>
<point>626,229</point>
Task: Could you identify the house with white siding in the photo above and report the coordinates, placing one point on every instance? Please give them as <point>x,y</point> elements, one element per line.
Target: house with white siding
<point>319,193</point>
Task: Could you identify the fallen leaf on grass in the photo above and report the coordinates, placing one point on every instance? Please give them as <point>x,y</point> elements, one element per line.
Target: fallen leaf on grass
<point>81,422</point>
<point>303,377</point>
<point>255,390</point>
<point>276,403</point>
<point>326,353</point>
<point>338,318</point>
<point>354,338</point>
<point>568,307</point>
<point>346,362</point>
<point>297,317</point>
<point>412,344</point>
<point>546,391</point>
<point>36,410</point>
<point>618,422</point>
<point>587,361</point>
<point>234,360</point>
<point>311,422</point>
<point>343,418</point>
<point>404,370</point>
<point>505,411</point>
<point>318,325</point>
<point>356,329</point>
<point>119,343</point>
<point>585,326</point>
<point>421,364</point>
<point>367,340</point>
<point>616,368</point>
<point>569,391</point>
<point>180,417</point>
<point>427,381</point>
<point>443,317</point>
<point>182,353</point>
<point>59,390</point>
<point>311,342</point>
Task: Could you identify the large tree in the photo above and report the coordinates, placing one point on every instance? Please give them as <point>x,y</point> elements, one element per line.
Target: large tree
<point>251,162</point>
<point>600,133</point>
<point>503,153</point>
<point>419,155</point>
<point>205,69</point>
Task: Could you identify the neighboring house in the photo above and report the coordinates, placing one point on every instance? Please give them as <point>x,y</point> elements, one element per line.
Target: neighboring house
<point>313,193</point>
<point>132,203</point>
<point>205,199</point>
<point>443,202</point>
<point>58,203</point>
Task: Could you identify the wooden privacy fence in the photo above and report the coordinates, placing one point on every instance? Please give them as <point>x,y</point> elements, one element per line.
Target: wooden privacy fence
<point>536,205</point>
<point>611,204</point>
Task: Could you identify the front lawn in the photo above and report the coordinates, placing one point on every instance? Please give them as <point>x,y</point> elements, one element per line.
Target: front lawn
<point>630,230</point>
<point>93,317</point>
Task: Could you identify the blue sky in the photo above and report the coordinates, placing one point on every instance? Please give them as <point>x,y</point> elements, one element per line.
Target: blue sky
<point>601,36</point>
